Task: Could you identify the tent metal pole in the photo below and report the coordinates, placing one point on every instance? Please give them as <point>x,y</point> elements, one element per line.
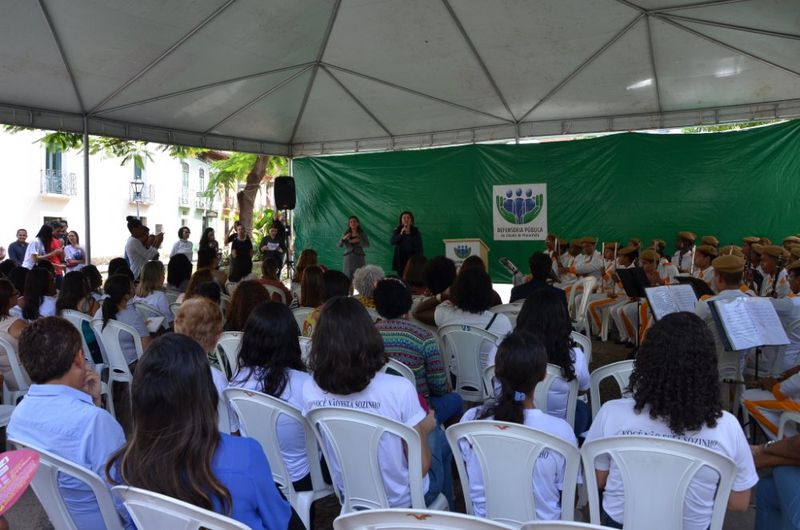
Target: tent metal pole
<point>87,216</point>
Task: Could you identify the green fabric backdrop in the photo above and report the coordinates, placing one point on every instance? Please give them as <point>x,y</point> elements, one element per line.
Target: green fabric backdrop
<point>729,185</point>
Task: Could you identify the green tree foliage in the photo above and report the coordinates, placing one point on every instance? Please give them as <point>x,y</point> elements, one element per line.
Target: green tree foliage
<point>727,126</point>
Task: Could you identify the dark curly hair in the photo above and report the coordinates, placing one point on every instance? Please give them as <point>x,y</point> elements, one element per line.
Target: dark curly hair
<point>545,314</point>
<point>472,291</point>
<point>439,274</point>
<point>675,374</point>
<point>392,298</point>
<point>346,348</point>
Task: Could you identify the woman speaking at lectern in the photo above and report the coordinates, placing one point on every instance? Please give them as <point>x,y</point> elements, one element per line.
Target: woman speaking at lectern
<point>407,241</point>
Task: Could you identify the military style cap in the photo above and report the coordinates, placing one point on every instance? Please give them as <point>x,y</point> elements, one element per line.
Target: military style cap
<point>752,239</point>
<point>627,251</point>
<point>708,250</point>
<point>588,239</point>
<point>794,250</point>
<point>758,248</point>
<point>791,239</point>
<point>775,251</point>
<point>731,249</point>
<point>659,242</point>
<point>728,263</point>
<point>649,255</point>
<point>611,244</point>
<point>793,266</point>
<point>687,235</point>
<point>710,240</point>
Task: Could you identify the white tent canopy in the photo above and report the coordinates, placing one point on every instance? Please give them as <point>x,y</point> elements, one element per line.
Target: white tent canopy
<point>301,77</point>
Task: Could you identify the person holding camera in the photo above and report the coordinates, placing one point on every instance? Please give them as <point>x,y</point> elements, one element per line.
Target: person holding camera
<point>354,241</point>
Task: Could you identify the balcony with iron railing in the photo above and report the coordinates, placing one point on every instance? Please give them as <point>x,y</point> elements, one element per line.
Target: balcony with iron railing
<point>57,183</point>
<point>202,202</point>
<point>148,195</point>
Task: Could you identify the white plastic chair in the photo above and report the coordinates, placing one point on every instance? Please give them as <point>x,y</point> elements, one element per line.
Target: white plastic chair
<point>462,349</point>
<point>507,454</point>
<point>230,287</point>
<point>581,322</point>
<point>11,397</point>
<point>351,438</point>
<point>395,367</point>
<point>174,307</point>
<point>77,319</point>
<point>786,418</point>
<point>373,314</point>
<point>153,511</point>
<point>488,382</point>
<point>229,343</point>
<point>300,314</point>
<point>656,474</point>
<point>305,348</point>
<point>258,415</point>
<point>543,388</point>
<point>5,414</point>
<point>511,311</point>
<point>404,518</point>
<point>585,343</point>
<point>118,369</point>
<point>560,525</point>
<point>271,289</point>
<point>45,486</point>
<point>620,371</point>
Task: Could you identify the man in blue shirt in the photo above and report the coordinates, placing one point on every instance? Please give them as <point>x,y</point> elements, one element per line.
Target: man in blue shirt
<point>61,412</point>
<point>16,250</point>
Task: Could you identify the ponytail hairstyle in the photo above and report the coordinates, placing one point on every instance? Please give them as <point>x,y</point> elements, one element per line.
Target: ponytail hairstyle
<point>37,283</point>
<point>116,288</point>
<point>521,363</point>
<point>546,315</point>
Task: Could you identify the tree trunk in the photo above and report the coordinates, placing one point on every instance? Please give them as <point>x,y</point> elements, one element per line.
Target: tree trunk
<point>247,197</point>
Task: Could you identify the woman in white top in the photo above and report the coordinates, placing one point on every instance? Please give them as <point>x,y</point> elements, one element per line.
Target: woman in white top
<point>39,297</point>
<point>40,247</point>
<point>676,395</point>
<point>520,365</point>
<point>545,314</point>
<point>10,329</point>
<point>469,303</point>
<point>74,254</point>
<point>183,245</point>
<point>151,290</point>
<point>119,291</point>
<point>270,363</point>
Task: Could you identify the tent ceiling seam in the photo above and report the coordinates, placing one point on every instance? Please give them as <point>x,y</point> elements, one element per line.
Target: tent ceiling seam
<point>652,52</point>
<point>583,65</point>
<point>62,54</point>
<point>163,56</point>
<point>415,92</point>
<point>320,53</point>
<point>258,98</point>
<point>202,87</point>
<point>626,3</point>
<point>357,101</point>
<point>710,3</point>
<point>730,47</point>
<point>725,25</point>
<point>474,50</point>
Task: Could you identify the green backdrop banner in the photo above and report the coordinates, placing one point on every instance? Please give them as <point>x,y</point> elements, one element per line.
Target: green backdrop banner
<point>729,185</point>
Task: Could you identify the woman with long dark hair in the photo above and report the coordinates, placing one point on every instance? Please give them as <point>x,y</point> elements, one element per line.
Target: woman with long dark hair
<point>41,247</point>
<point>207,240</point>
<point>119,291</point>
<point>177,450</point>
<point>179,271</point>
<point>346,355</point>
<point>246,297</point>
<point>74,254</point>
<point>407,241</point>
<point>521,365</point>
<point>74,294</point>
<point>311,287</point>
<point>354,241</point>
<point>545,314</point>
<point>39,295</point>
<point>270,362</point>
<point>675,394</point>
<point>11,328</point>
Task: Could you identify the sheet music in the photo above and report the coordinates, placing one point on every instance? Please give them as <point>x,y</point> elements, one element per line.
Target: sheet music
<point>669,299</point>
<point>768,323</point>
<point>684,297</point>
<point>750,322</point>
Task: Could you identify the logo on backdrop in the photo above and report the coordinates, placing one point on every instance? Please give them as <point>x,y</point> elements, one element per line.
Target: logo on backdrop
<point>520,212</point>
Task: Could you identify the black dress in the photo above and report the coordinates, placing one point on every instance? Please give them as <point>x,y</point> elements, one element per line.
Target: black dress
<point>242,264</point>
<point>405,246</point>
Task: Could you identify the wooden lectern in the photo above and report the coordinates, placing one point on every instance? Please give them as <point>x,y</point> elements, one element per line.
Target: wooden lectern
<point>460,249</point>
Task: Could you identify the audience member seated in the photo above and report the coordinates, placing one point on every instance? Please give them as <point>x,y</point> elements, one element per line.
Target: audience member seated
<point>440,273</point>
<point>676,395</point>
<point>199,277</point>
<point>468,305</point>
<point>201,319</point>
<point>778,492</point>
<point>270,363</point>
<point>414,274</point>
<point>39,299</point>
<point>207,258</point>
<point>74,295</point>
<point>248,294</point>
<point>210,290</point>
<point>415,347</point>
<point>334,283</point>
<point>177,450</point>
<point>179,272</point>
<point>308,258</point>
<point>18,277</point>
<point>61,412</point>
<point>119,291</point>
<point>364,281</point>
<point>346,356</point>
<point>151,289</point>
<point>95,280</point>
<point>10,329</point>
<point>475,262</point>
<point>311,287</point>
<point>270,268</point>
<point>545,314</point>
<point>6,266</point>
<point>541,266</point>
<point>521,365</point>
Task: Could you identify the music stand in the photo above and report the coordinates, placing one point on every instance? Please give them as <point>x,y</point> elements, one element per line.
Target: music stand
<point>634,281</point>
<point>700,287</point>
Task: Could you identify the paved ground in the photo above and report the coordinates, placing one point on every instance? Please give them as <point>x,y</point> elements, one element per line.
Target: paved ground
<point>27,514</point>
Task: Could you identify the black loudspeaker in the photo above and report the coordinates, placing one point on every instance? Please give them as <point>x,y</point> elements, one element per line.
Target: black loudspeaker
<point>284,193</point>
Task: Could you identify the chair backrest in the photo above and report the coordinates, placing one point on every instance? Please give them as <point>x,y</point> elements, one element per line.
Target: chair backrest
<point>300,314</point>
<point>620,371</point>
<point>507,454</point>
<point>488,382</point>
<point>571,296</point>
<point>588,284</point>
<point>351,439</point>
<point>153,511</point>
<point>146,310</point>
<point>229,342</point>
<point>585,343</point>
<point>787,417</point>
<point>543,389</point>
<point>511,311</point>
<point>305,348</point>
<point>462,349</point>
<point>656,474</point>
<point>405,518</point>
<point>560,525</point>
<point>258,415</point>
<point>23,383</point>
<point>373,314</point>
<point>109,338</point>
<point>271,289</point>
<point>174,307</point>
<point>45,485</point>
<point>77,319</point>
<point>395,367</point>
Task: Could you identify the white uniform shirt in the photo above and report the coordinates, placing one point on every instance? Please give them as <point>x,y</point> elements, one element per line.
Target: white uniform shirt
<point>589,265</point>
<point>707,274</point>
<point>618,418</point>
<point>683,262</point>
<point>446,313</point>
<point>389,396</point>
<point>34,247</point>
<point>548,472</point>
<point>782,289</point>
<point>788,310</point>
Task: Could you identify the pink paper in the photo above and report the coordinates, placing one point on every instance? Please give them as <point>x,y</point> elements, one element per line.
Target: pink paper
<point>17,469</point>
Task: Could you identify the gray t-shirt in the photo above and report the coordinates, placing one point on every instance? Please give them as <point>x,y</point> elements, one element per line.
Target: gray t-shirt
<point>130,317</point>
